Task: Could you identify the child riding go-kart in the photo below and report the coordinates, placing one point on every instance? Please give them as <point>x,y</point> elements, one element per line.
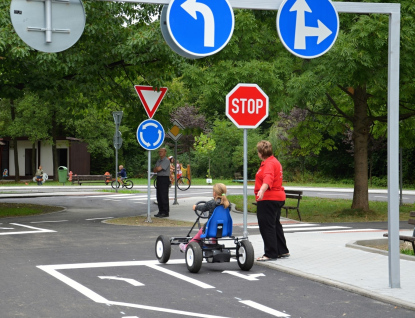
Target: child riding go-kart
<point>206,246</point>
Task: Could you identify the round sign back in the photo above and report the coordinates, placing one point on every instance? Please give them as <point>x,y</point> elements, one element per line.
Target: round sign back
<point>48,26</point>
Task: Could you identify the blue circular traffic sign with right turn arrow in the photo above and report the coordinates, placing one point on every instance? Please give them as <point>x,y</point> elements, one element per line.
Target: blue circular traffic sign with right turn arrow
<point>307,28</point>
<point>150,134</point>
<point>200,27</point>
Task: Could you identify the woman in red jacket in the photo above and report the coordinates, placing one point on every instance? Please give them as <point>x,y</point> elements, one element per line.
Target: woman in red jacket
<point>270,197</point>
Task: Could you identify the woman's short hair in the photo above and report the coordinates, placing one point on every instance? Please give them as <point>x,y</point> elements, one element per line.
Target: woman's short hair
<point>264,147</point>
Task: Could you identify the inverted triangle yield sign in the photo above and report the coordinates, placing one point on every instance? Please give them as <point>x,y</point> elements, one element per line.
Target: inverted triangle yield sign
<point>150,98</point>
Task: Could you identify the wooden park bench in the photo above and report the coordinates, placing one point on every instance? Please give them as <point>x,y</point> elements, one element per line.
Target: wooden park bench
<point>292,194</point>
<point>91,179</point>
<point>406,238</point>
<point>239,179</point>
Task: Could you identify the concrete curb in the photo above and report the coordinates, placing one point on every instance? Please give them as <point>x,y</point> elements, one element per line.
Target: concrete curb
<point>360,245</point>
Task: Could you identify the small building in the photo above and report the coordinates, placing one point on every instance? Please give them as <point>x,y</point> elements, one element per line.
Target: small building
<point>72,153</point>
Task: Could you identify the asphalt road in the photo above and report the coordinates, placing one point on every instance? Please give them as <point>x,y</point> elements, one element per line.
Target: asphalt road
<point>71,264</point>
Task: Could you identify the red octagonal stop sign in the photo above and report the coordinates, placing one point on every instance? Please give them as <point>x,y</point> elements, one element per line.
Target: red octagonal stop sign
<point>247,105</point>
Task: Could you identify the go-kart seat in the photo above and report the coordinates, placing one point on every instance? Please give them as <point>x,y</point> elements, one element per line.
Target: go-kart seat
<point>219,225</point>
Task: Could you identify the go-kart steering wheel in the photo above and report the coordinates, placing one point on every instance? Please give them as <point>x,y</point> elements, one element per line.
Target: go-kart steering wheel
<point>202,215</point>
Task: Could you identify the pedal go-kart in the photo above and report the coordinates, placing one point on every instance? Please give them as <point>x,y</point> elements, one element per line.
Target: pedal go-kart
<point>219,226</point>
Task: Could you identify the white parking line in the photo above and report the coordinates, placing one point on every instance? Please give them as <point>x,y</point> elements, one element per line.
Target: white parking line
<point>36,230</point>
<point>50,221</point>
<point>333,194</point>
<point>298,225</point>
<point>110,217</point>
<point>171,311</point>
<point>180,276</point>
<point>263,308</point>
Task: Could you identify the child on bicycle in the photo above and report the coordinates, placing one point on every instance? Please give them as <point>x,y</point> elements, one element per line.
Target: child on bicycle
<point>123,173</point>
<point>219,198</point>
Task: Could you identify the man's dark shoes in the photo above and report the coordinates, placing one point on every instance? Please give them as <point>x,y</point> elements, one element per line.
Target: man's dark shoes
<point>286,255</point>
<point>158,215</point>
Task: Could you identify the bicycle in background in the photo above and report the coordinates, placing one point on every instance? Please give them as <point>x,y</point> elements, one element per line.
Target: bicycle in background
<point>183,183</point>
<point>126,183</point>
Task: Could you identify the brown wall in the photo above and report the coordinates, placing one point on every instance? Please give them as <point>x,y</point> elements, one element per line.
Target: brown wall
<point>79,158</point>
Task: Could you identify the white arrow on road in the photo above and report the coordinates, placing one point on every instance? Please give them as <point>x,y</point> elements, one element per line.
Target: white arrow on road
<point>247,277</point>
<point>191,7</point>
<point>128,280</point>
<point>302,31</point>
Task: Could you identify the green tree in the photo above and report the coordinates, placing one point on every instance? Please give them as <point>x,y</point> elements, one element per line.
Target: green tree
<point>352,86</point>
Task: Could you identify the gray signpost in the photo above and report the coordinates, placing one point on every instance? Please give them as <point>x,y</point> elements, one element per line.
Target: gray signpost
<point>117,141</point>
<point>175,134</point>
<point>391,9</point>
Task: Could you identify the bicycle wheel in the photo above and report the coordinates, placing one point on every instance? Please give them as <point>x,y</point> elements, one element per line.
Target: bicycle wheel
<point>128,184</point>
<point>183,183</point>
<point>155,183</point>
<point>115,184</point>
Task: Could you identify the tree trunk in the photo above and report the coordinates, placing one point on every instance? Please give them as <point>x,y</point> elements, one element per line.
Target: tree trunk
<point>361,128</point>
<point>14,141</point>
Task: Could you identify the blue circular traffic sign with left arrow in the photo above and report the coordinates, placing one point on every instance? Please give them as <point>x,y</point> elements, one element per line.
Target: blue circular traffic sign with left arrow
<point>150,134</point>
<point>200,27</point>
<point>307,28</point>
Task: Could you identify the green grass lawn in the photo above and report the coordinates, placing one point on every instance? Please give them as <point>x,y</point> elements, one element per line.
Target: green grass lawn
<point>22,209</point>
<point>330,210</point>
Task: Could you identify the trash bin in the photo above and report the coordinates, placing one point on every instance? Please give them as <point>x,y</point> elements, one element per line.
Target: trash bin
<point>63,174</point>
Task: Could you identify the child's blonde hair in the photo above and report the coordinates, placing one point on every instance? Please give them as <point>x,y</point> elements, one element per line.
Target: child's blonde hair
<point>220,191</point>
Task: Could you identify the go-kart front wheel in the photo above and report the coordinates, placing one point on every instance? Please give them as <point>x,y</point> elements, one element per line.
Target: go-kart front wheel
<point>245,255</point>
<point>194,257</point>
<point>163,249</point>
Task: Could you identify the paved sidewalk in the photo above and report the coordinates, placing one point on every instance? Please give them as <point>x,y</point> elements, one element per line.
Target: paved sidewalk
<point>324,257</point>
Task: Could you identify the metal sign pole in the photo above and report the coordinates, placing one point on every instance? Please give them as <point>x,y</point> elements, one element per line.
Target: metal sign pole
<point>116,165</point>
<point>175,173</point>
<point>245,182</point>
<point>148,188</point>
<point>116,158</point>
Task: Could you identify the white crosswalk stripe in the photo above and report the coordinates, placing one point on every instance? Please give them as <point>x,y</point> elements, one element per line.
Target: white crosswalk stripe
<point>307,228</point>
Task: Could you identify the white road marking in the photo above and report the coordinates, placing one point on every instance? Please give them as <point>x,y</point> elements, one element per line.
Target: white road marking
<point>127,280</point>
<point>333,194</point>
<point>100,218</point>
<point>180,276</point>
<point>37,230</point>
<point>50,221</point>
<point>53,271</point>
<point>298,225</point>
<point>171,311</point>
<point>307,229</point>
<point>6,228</point>
<point>380,196</point>
<point>297,229</point>
<point>265,309</point>
<point>250,277</point>
<point>352,230</point>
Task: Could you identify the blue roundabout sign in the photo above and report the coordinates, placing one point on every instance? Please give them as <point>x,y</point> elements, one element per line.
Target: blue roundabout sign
<point>150,134</point>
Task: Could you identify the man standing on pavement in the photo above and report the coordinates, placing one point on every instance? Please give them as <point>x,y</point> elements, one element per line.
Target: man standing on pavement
<point>162,169</point>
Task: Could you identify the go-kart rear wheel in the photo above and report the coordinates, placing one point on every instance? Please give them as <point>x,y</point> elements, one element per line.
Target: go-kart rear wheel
<point>163,249</point>
<point>194,257</point>
<point>245,255</point>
